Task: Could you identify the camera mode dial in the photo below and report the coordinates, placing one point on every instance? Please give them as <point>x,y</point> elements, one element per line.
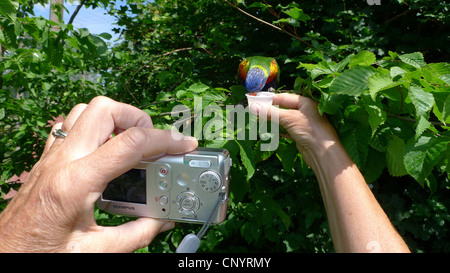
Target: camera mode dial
<point>210,181</point>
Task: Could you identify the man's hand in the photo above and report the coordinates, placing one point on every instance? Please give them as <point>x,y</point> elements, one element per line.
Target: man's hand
<point>54,209</point>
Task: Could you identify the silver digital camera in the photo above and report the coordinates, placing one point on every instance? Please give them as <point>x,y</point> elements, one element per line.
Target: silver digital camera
<point>181,188</point>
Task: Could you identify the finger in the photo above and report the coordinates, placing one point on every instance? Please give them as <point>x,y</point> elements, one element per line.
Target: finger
<point>268,112</point>
<point>66,125</point>
<point>291,101</point>
<point>125,151</point>
<point>51,137</point>
<point>72,117</point>
<point>100,118</point>
<point>133,235</point>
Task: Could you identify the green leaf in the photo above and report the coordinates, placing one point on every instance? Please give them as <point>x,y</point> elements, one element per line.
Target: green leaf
<point>176,238</point>
<point>197,88</point>
<point>395,149</point>
<point>8,9</point>
<point>311,217</point>
<point>422,155</point>
<point>250,231</point>
<point>441,107</point>
<point>363,58</point>
<point>299,83</point>
<point>331,104</point>
<point>105,35</point>
<point>287,154</point>
<point>415,59</point>
<point>10,37</point>
<point>297,14</point>
<point>316,70</point>
<point>84,32</point>
<point>422,125</point>
<point>375,165</point>
<point>423,101</point>
<point>445,78</point>
<point>377,116</point>
<point>279,211</point>
<point>355,142</point>
<point>396,71</point>
<point>437,73</point>
<point>446,111</point>
<point>99,44</point>
<point>352,82</point>
<point>378,82</point>
<point>247,157</point>
<point>237,93</point>
<point>342,64</point>
<point>307,66</point>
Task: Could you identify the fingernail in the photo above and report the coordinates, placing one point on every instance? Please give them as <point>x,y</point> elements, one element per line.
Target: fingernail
<point>167,226</point>
<point>190,138</point>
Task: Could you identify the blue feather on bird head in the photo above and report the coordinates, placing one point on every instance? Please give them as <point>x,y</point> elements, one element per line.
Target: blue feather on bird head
<point>255,80</point>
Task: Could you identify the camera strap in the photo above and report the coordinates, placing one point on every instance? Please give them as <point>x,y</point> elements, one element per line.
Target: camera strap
<point>191,242</point>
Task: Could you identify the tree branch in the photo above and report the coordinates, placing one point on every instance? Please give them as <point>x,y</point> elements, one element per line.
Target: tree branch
<point>175,51</point>
<point>72,18</point>
<point>269,24</point>
<point>398,16</point>
<point>437,123</point>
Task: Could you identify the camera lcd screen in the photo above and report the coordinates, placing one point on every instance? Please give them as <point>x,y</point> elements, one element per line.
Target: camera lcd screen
<point>129,187</point>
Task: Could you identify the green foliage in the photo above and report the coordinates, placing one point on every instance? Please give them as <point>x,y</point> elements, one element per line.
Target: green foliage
<point>43,76</point>
<point>379,73</point>
<point>364,99</point>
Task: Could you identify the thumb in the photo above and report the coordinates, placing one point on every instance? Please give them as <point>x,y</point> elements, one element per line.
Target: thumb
<point>133,235</point>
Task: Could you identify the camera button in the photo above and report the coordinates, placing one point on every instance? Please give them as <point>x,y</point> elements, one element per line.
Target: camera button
<point>163,184</point>
<point>188,212</point>
<point>187,203</point>
<point>200,163</point>
<point>163,200</point>
<point>183,179</point>
<point>163,170</point>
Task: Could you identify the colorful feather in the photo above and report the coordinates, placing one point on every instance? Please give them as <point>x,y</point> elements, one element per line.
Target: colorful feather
<point>259,73</point>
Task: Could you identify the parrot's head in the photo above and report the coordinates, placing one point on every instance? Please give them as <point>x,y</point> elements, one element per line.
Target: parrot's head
<point>258,73</point>
<point>256,79</point>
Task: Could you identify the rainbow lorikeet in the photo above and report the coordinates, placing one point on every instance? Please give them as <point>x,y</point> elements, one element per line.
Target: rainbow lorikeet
<point>259,73</point>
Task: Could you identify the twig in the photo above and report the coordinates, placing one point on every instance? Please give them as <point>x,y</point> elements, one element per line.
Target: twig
<point>413,120</point>
<point>168,113</point>
<point>175,51</point>
<point>72,18</point>
<point>163,101</point>
<point>207,51</point>
<point>269,24</point>
<point>130,78</point>
<point>398,16</point>
<point>271,9</point>
<point>254,17</point>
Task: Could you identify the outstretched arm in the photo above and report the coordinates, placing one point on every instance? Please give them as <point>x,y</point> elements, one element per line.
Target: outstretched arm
<point>357,222</point>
